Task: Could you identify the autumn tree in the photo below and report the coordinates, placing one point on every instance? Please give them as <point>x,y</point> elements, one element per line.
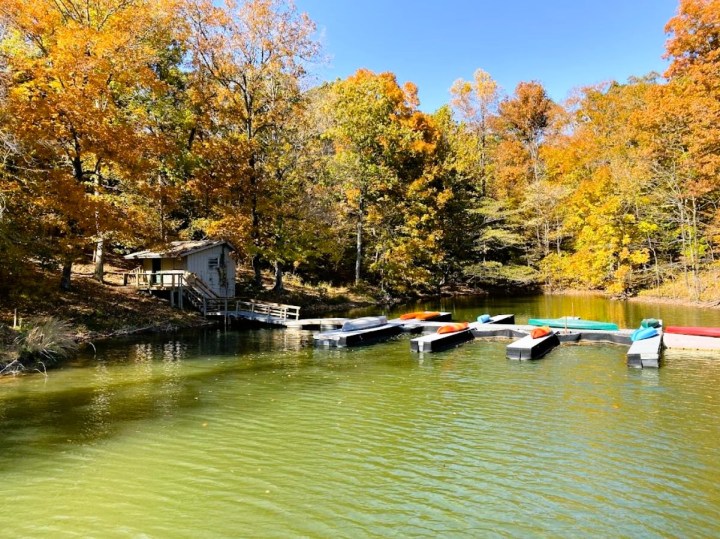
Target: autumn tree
<point>371,132</point>
<point>609,226</point>
<point>475,102</point>
<point>524,119</point>
<point>523,123</point>
<point>249,63</point>
<point>73,68</point>
<point>689,112</point>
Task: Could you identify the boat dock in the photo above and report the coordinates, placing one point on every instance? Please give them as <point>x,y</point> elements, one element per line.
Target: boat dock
<point>340,333</point>
<point>359,332</point>
<point>529,348</point>
<point>359,337</point>
<point>320,324</point>
<point>643,354</point>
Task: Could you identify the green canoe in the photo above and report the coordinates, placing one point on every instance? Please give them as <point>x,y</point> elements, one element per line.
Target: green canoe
<point>572,323</point>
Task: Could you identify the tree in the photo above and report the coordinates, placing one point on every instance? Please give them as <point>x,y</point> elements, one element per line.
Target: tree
<point>250,62</point>
<point>525,118</point>
<point>687,118</point>
<point>524,122</point>
<point>373,137</point>
<point>606,190</point>
<point>476,103</point>
<point>74,67</point>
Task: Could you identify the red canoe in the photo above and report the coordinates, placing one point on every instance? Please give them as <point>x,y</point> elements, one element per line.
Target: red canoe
<point>693,330</point>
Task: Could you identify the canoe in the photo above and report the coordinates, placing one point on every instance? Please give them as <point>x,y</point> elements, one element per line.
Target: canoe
<point>573,323</point>
<point>366,322</point>
<point>694,330</point>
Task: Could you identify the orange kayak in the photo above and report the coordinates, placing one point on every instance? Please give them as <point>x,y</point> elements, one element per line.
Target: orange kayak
<point>419,315</point>
<point>453,328</point>
<point>543,331</point>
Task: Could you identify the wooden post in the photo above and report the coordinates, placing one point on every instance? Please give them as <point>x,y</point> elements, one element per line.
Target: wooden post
<point>172,291</point>
<point>15,320</point>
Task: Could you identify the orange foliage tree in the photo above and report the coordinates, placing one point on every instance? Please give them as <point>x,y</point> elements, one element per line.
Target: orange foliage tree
<point>74,68</point>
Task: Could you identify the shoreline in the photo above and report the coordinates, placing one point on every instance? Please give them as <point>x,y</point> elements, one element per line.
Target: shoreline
<point>177,321</point>
<point>650,300</point>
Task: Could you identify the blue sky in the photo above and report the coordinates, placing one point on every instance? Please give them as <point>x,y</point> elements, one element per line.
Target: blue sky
<point>563,44</point>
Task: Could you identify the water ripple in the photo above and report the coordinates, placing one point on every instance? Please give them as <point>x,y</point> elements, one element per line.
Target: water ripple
<point>367,443</point>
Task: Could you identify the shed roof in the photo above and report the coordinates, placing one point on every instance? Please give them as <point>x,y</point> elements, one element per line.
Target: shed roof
<point>180,249</point>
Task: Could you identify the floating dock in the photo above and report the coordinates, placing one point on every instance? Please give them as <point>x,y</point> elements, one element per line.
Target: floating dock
<point>678,341</point>
<point>321,324</point>
<point>436,342</point>
<point>646,353</point>
<point>529,348</point>
<point>359,337</point>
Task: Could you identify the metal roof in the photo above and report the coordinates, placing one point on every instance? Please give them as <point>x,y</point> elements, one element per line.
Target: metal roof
<point>180,249</point>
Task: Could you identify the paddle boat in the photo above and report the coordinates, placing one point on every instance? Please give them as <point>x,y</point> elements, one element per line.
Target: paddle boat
<point>497,319</point>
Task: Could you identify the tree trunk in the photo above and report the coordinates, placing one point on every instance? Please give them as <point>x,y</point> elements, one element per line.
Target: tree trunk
<point>65,276</point>
<point>359,241</point>
<point>257,278</point>
<point>99,254</point>
<point>99,260</point>
<point>278,277</point>
<point>358,252</point>
<point>254,215</point>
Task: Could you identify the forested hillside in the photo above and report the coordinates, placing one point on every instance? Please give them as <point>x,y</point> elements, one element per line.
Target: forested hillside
<point>131,123</point>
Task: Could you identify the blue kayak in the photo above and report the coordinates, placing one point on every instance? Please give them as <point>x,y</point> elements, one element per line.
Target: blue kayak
<point>573,323</point>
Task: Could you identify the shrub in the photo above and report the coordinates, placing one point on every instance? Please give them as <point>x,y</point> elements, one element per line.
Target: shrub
<point>47,339</point>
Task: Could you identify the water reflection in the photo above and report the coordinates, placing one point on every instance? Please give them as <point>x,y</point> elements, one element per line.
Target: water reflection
<point>627,314</point>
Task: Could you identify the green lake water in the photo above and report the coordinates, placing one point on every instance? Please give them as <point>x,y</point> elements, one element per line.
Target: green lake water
<point>254,433</point>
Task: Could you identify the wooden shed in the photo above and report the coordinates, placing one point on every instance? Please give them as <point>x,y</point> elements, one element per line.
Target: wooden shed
<point>209,260</point>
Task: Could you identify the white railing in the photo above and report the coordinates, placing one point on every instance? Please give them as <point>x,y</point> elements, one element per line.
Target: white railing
<point>202,296</point>
<point>155,279</point>
<point>278,310</point>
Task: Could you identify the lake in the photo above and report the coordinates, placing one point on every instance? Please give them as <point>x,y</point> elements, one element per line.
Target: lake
<point>253,433</point>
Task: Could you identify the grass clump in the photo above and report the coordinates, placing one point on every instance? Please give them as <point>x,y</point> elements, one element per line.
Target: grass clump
<point>45,340</point>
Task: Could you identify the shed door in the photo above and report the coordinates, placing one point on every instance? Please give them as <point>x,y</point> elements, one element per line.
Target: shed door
<point>156,266</point>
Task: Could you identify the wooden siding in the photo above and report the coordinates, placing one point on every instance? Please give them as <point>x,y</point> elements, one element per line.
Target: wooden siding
<point>198,263</point>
